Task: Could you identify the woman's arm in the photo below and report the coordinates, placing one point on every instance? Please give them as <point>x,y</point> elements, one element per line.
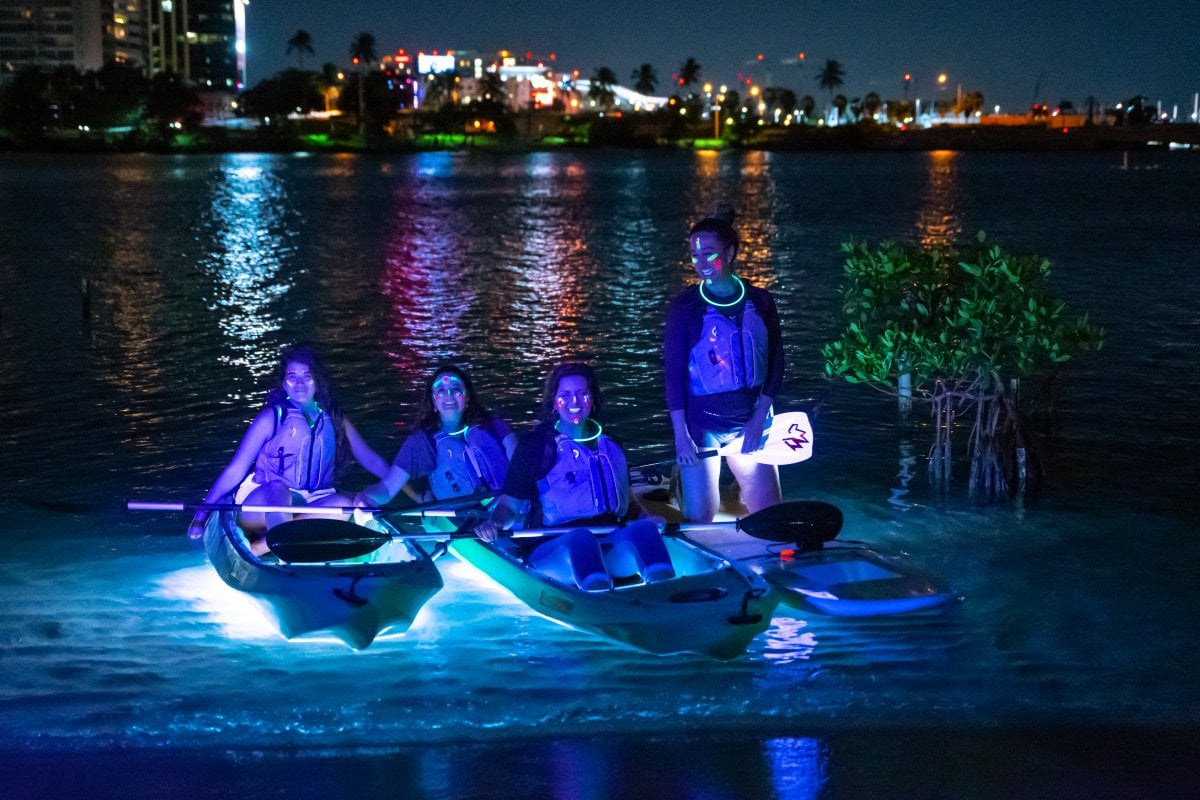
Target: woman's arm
<point>371,461</point>
<point>375,495</point>
<point>685,447</point>
<point>256,436</point>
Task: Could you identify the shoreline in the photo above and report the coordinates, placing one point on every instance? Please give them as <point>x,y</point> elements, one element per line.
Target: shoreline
<point>635,135</point>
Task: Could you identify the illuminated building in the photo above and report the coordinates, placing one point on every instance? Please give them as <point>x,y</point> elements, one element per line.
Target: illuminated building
<point>203,41</point>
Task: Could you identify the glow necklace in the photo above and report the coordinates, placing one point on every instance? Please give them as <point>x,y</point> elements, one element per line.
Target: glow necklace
<point>459,432</point>
<point>734,302</point>
<point>593,437</point>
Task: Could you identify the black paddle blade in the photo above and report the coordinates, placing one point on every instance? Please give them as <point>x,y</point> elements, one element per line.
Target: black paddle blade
<point>799,521</point>
<point>319,540</point>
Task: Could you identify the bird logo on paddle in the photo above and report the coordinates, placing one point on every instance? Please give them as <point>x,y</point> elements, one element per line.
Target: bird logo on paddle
<point>798,439</point>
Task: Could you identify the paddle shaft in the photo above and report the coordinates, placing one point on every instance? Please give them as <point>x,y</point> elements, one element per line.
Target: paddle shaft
<point>310,510</point>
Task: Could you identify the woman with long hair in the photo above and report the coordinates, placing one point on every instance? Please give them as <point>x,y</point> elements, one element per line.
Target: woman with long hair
<point>458,446</point>
<point>569,472</point>
<point>293,451</point>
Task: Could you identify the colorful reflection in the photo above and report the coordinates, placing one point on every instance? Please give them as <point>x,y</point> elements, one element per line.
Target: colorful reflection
<point>938,217</point>
<point>252,238</point>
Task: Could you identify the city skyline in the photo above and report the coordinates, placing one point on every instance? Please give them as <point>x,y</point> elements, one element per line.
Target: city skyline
<point>1020,54</point>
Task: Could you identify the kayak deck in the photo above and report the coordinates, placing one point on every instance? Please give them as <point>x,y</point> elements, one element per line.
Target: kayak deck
<point>354,600</point>
<point>710,607</point>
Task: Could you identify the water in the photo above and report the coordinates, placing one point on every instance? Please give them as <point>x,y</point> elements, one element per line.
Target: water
<point>1071,655</point>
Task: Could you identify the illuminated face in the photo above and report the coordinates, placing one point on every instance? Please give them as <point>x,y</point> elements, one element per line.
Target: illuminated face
<point>449,397</point>
<point>299,383</point>
<point>710,258</point>
<point>573,401</point>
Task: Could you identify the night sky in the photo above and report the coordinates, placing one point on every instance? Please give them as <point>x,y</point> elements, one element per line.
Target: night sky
<point>1014,52</point>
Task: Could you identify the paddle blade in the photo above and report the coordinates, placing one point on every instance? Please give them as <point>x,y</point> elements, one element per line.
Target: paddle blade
<point>320,540</point>
<point>789,440</point>
<point>799,521</point>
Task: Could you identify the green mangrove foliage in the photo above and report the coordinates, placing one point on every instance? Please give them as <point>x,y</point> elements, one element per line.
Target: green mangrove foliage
<point>963,330</point>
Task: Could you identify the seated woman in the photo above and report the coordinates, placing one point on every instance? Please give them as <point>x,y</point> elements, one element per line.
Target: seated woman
<point>292,451</point>
<point>458,445</point>
<point>572,474</point>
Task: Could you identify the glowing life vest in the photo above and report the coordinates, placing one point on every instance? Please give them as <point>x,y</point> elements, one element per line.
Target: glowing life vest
<point>299,454</point>
<point>728,356</point>
<point>472,462</point>
<point>584,482</point>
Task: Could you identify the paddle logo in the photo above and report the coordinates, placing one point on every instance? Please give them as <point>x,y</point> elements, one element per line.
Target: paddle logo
<point>798,437</point>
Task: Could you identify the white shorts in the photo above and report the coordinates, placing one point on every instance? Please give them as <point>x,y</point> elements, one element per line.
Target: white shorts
<point>249,485</point>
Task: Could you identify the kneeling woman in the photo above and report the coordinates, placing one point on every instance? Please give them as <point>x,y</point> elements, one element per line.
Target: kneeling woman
<point>458,445</point>
<point>292,451</point>
<point>570,473</point>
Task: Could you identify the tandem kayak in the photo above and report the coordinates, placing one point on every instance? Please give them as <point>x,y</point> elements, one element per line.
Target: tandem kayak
<point>354,600</point>
<point>710,607</point>
<point>840,578</point>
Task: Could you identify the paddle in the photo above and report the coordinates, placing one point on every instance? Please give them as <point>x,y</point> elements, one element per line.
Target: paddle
<point>311,510</point>
<point>788,440</point>
<point>803,522</point>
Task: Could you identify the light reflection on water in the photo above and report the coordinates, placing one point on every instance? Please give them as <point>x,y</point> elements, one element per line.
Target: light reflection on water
<point>511,263</point>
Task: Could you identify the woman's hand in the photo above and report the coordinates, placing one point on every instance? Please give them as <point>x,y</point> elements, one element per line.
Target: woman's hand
<point>753,429</point>
<point>487,530</point>
<point>196,526</point>
<point>685,449</point>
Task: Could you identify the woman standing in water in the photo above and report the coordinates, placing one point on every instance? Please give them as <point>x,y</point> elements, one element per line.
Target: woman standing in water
<point>458,445</point>
<point>570,473</point>
<point>292,451</point>
<point>723,357</point>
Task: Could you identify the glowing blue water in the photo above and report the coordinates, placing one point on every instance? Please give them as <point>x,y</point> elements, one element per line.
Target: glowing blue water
<point>116,633</point>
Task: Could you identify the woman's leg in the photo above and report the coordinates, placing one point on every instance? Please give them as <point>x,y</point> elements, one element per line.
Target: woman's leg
<point>575,558</point>
<point>255,524</point>
<point>759,482</point>
<point>700,498</point>
<point>639,549</point>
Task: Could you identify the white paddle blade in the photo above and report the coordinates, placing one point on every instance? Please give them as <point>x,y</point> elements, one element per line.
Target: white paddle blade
<point>788,440</point>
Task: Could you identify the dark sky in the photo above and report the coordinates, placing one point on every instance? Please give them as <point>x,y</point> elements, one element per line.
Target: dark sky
<point>1111,49</point>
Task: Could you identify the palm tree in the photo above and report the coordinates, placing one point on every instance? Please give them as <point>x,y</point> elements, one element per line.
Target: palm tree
<point>689,73</point>
<point>645,79</point>
<point>832,76</point>
<point>601,89</point>
<point>362,50</point>
<point>301,42</point>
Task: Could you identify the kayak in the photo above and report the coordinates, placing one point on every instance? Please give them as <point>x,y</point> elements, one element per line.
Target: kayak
<point>843,579</point>
<point>354,599</point>
<point>839,578</point>
<point>710,607</point>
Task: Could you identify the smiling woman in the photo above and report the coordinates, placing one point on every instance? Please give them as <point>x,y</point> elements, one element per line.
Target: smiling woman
<point>292,451</point>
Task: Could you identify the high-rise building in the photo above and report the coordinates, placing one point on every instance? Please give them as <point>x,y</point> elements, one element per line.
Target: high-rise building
<point>50,33</point>
<point>203,41</point>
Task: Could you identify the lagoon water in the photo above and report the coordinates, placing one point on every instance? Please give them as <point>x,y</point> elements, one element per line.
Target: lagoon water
<point>130,669</point>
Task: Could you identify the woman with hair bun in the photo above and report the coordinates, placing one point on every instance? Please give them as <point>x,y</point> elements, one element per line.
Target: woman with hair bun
<point>723,362</point>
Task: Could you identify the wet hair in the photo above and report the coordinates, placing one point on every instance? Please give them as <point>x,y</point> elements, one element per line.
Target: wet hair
<point>304,353</point>
<point>569,369</point>
<point>476,413</point>
<point>720,223</point>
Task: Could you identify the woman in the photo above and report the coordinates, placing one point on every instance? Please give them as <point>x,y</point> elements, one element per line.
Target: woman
<point>570,473</point>
<point>723,357</point>
<point>458,445</point>
<point>292,451</point>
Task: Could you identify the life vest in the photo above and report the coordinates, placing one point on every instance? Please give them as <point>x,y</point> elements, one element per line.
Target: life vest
<point>727,356</point>
<point>300,455</point>
<point>584,482</point>
<point>467,464</point>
